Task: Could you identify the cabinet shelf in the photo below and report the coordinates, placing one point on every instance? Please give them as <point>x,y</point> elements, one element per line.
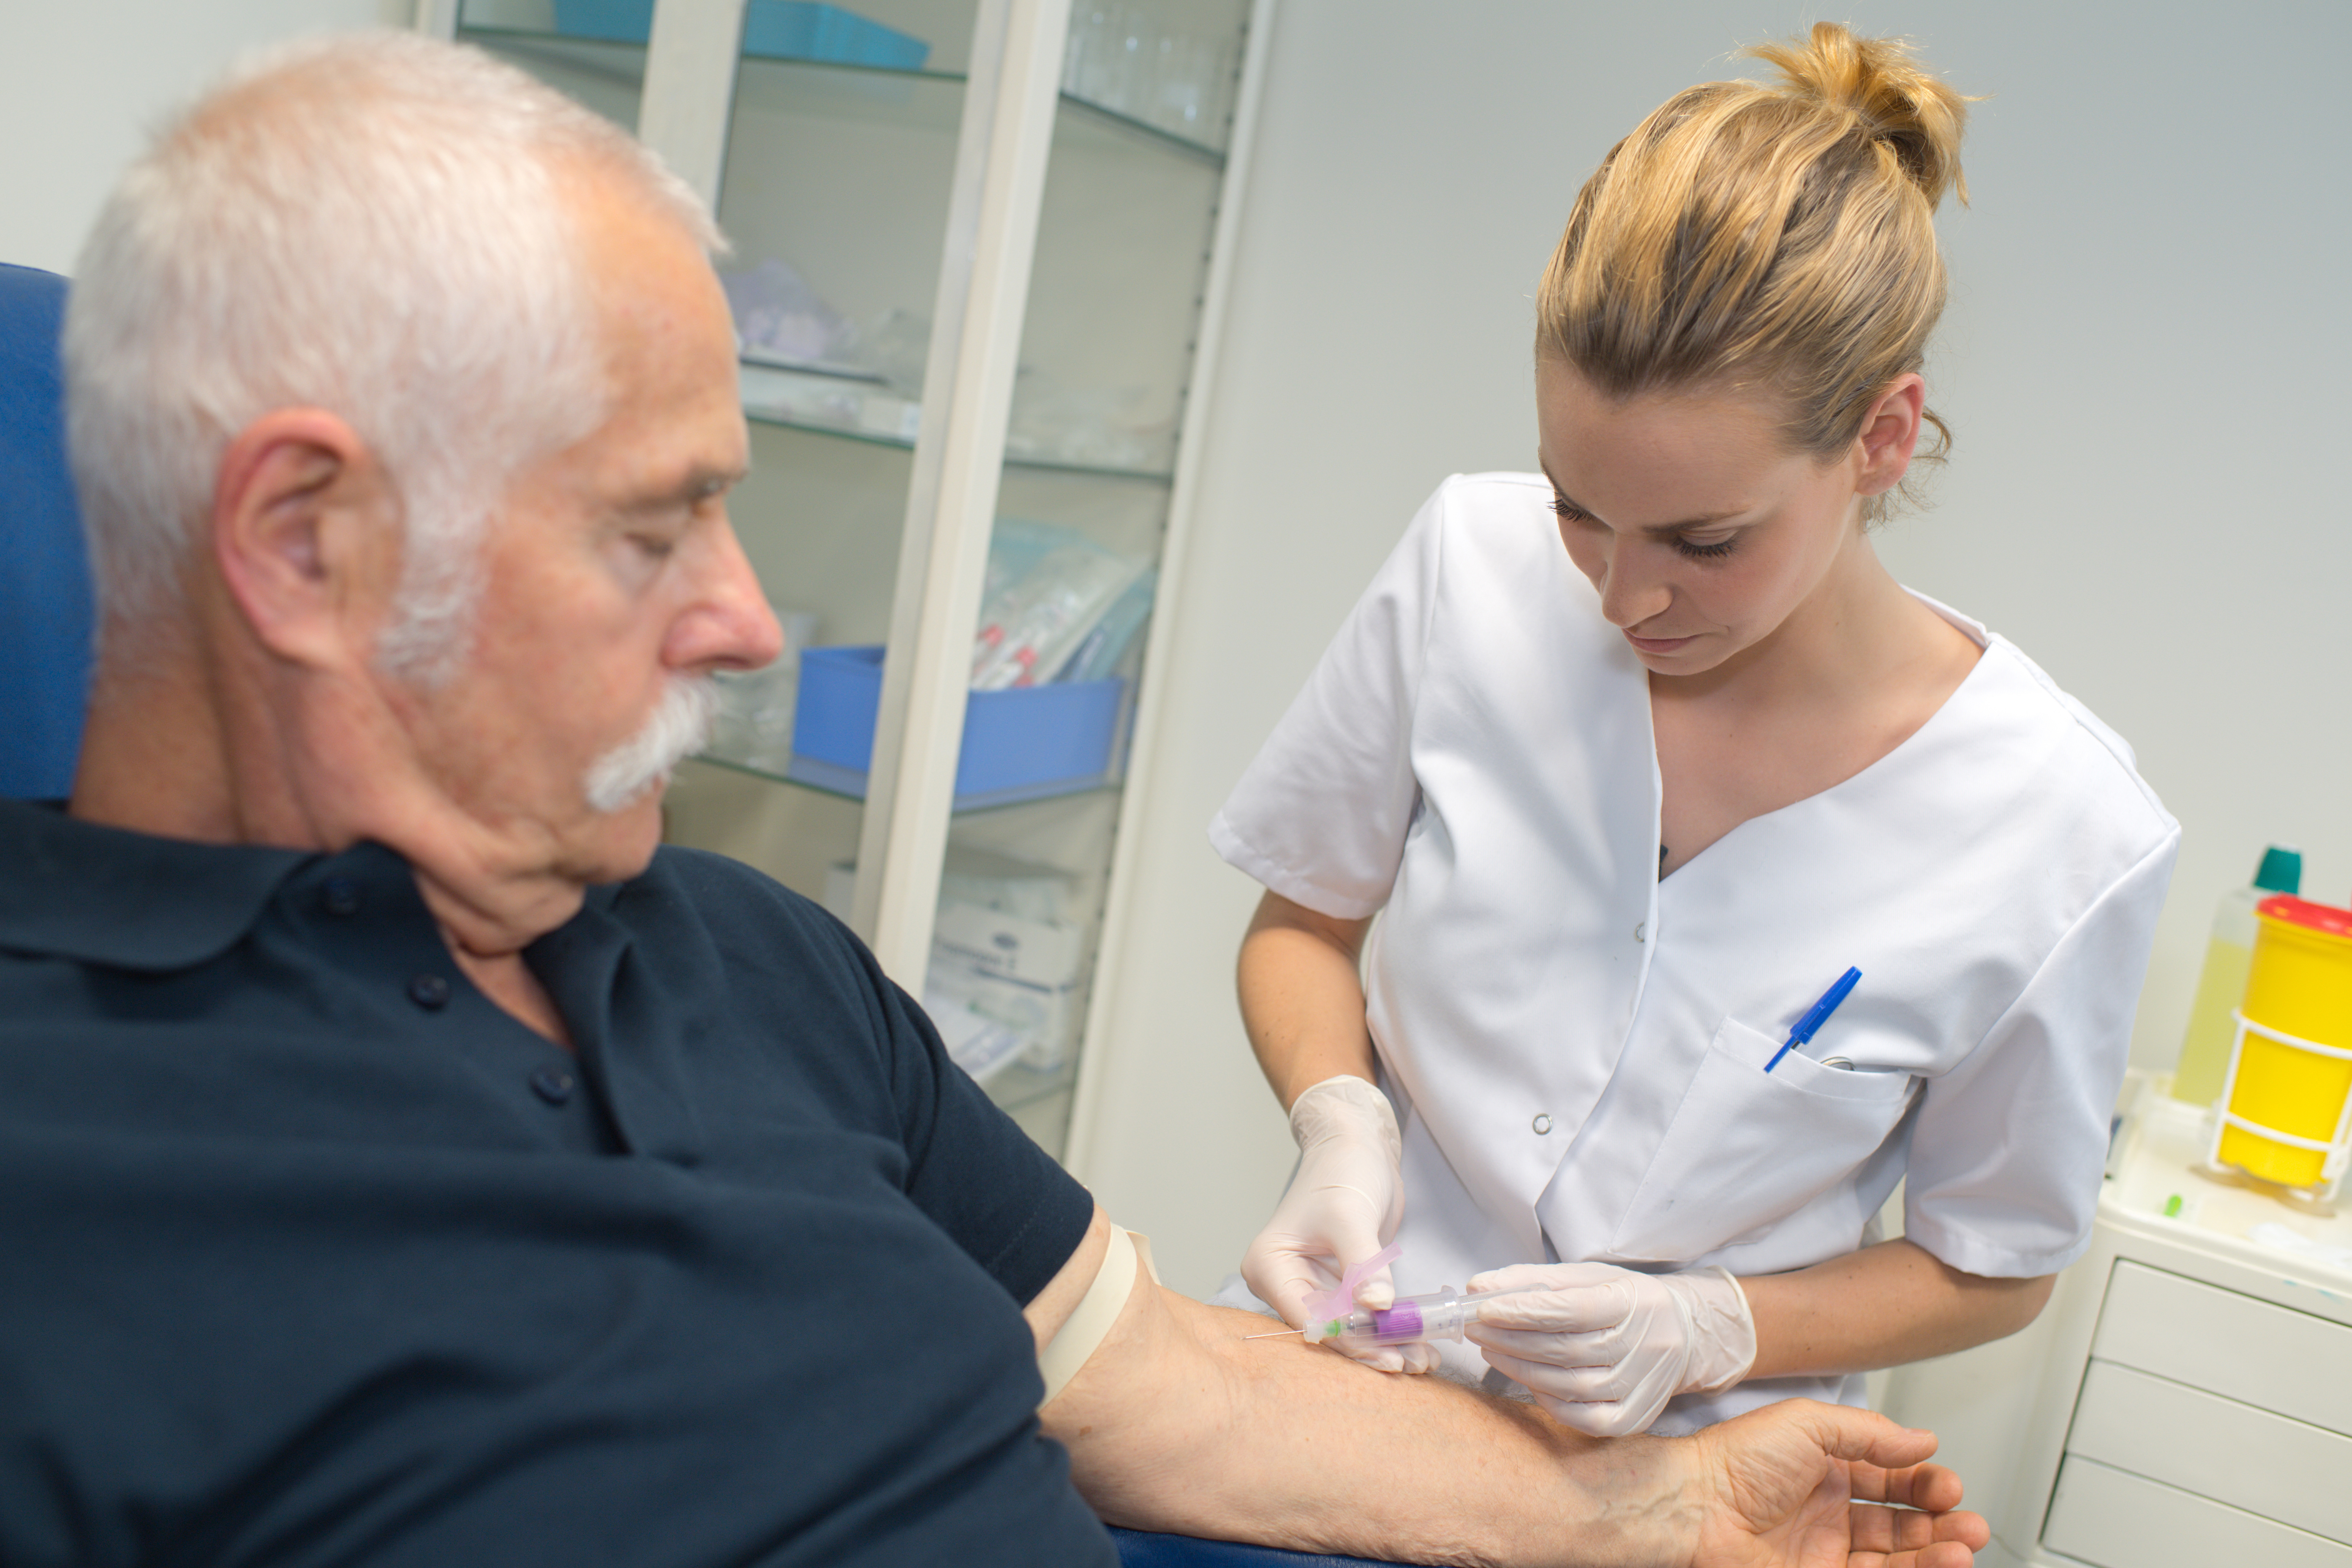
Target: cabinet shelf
<point>1147,132</point>
<point>854,408</point>
<point>966,807</point>
<point>621,64</point>
<point>767,80</point>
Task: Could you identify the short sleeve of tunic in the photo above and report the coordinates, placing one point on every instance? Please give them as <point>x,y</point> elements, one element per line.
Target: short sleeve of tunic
<point>1320,817</point>
<point>2008,1145</point>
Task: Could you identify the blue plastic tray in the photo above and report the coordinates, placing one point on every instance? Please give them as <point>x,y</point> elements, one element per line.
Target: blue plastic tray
<point>1019,744</point>
<point>774,29</point>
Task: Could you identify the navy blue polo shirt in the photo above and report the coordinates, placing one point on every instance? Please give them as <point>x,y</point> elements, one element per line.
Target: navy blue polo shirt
<point>309,1254</point>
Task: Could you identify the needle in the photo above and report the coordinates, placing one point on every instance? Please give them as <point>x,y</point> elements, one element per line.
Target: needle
<point>1275,1335</point>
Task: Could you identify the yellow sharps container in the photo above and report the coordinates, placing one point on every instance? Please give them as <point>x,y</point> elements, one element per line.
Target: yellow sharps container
<point>2286,1111</point>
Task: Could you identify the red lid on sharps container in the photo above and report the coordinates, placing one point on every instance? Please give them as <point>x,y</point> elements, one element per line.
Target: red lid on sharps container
<point>2324,918</point>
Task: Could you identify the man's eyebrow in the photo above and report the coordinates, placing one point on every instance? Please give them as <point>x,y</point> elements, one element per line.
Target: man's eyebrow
<point>1655,530</point>
<point>696,484</point>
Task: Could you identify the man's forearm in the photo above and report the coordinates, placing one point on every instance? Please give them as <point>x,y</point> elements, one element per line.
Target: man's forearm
<point>1279,1442</point>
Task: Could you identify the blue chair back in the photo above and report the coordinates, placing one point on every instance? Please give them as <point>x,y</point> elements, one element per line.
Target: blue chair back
<point>45,585</point>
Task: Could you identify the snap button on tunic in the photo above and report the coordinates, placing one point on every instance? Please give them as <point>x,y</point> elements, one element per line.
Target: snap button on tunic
<point>552,1085</point>
<point>1542,1124</point>
<point>429,992</point>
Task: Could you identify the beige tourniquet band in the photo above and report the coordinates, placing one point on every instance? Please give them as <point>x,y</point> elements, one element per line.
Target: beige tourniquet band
<point>1085,1327</point>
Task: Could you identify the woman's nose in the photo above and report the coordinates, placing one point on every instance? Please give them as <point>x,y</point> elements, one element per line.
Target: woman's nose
<point>1633,591</point>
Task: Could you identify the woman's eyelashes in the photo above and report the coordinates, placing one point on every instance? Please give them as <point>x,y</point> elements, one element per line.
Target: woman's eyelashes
<point>1714,551</point>
<point>1569,511</point>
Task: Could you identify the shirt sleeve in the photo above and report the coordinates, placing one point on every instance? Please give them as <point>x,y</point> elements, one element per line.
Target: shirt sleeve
<point>970,1168</point>
<point>2007,1157</point>
<point>1320,817</point>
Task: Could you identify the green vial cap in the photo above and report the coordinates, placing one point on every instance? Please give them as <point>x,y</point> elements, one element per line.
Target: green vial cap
<point>2282,870</point>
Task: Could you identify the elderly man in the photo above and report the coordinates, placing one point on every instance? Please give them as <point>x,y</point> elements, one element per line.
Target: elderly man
<point>403,1162</point>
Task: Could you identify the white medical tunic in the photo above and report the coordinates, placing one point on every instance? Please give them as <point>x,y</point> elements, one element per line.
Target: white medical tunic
<point>1577,1048</point>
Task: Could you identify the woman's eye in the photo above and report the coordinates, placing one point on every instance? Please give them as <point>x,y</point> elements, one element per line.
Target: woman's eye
<point>652,546</point>
<point>1569,511</point>
<point>1713,551</point>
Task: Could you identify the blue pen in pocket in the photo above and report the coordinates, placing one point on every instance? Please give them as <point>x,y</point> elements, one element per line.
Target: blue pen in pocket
<point>1816,1015</point>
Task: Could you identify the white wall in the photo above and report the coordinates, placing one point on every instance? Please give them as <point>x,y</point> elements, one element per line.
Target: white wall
<point>81,81</point>
<point>2141,362</point>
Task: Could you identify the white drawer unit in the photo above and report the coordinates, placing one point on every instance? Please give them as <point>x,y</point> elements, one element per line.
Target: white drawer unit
<point>2185,1400</point>
<point>2113,1519</point>
<point>2271,1357</point>
<point>2211,1429</point>
<point>2252,1460</point>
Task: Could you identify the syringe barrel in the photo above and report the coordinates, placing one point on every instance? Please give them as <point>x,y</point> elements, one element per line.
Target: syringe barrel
<point>1434,1315</point>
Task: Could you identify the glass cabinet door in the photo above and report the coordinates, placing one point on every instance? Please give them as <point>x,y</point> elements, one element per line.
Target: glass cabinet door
<point>844,179</point>
<point>841,161</point>
<point>1130,202</point>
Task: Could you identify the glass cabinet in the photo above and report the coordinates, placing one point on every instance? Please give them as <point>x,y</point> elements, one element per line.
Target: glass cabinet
<point>971,241</point>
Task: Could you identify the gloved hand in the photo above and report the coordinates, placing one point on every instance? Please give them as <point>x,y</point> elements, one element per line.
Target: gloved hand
<point>1341,1208</point>
<point>1604,1348</point>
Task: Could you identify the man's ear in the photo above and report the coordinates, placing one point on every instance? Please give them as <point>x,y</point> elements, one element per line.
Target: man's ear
<point>303,529</point>
<point>1890,433</point>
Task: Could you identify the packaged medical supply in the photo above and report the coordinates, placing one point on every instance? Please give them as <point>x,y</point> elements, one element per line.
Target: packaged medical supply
<point>1008,953</point>
<point>1037,618</point>
<point>780,320</point>
<point>2228,953</point>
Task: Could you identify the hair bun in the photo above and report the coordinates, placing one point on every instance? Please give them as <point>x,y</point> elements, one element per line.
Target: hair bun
<point>1904,106</point>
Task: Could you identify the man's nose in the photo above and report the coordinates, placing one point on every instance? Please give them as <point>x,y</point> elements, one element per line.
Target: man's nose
<point>730,626</point>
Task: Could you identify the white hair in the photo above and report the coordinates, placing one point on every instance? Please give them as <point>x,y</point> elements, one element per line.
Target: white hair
<point>679,726</point>
<point>374,225</point>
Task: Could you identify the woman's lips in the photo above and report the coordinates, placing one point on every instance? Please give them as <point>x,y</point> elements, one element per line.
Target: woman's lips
<point>1659,644</point>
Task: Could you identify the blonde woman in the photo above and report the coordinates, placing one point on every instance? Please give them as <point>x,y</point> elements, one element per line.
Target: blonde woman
<point>1636,757</point>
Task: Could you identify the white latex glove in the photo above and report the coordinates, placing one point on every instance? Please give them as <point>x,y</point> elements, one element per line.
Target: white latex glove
<point>1341,1208</point>
<point>1604,1348</point>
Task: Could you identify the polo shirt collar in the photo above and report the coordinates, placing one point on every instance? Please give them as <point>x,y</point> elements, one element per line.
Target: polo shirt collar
<point>78,890</point>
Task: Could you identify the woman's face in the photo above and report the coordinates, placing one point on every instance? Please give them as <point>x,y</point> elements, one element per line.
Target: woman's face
<point>1702,531</point>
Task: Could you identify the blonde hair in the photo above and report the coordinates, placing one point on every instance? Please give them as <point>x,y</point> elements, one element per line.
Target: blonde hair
<point>1780,238</point>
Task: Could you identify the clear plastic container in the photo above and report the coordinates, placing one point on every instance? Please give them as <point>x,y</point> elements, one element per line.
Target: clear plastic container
<point>2222,983</point>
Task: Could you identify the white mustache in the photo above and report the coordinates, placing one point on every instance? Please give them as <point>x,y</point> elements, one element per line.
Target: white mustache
<point>679,726</point>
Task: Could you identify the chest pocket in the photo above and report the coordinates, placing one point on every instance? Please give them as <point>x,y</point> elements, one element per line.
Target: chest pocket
<point>1747,1148</point>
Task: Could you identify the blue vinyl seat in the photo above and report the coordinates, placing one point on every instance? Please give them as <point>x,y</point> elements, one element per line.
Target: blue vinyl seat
<point>1147,1549</point>
<point>45,585</point>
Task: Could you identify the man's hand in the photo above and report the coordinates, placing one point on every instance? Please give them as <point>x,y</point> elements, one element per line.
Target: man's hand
<point>1795,1484</point>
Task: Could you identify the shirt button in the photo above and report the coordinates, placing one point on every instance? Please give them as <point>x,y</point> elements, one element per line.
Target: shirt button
<point>1542,1124</point>
<point>552,1085</point>
<point>340,895</point>
<point>429,992</point>
<point>1642,932</point>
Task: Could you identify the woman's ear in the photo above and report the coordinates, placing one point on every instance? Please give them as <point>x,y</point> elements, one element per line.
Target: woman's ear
<point>1890,433</point>
<point>304,531</point>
